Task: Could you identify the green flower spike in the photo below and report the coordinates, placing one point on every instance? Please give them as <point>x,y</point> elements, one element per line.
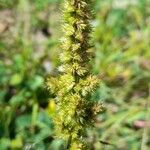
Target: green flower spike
<point>74,86</point>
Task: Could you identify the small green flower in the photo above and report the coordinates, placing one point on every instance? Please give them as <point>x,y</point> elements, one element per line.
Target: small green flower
<point>73,87</point>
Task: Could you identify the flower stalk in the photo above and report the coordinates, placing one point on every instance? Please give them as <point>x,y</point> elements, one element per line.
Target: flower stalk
<point>74,86</point>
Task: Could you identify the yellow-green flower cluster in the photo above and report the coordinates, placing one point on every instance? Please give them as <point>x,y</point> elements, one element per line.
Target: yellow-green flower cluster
<point>73,88</point>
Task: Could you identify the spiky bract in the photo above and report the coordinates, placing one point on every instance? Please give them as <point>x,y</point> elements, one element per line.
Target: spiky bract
<point>74,86</point>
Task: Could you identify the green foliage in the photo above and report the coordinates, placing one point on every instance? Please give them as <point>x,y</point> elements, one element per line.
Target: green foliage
<point>7,3</point>
<point>24,123</point>
<point>122,59</point>
<point>73,88</point>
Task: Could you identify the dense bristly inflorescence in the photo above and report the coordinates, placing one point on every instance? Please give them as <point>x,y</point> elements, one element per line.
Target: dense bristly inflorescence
<point>74,86</point>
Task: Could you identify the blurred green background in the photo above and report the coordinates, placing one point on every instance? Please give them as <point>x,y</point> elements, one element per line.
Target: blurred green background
<point>29,49</point>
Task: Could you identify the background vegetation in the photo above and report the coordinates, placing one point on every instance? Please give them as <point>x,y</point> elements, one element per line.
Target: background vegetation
<point>29,48</point>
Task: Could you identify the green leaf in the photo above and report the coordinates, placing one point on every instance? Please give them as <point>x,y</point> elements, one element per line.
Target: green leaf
<point>16,79</point>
